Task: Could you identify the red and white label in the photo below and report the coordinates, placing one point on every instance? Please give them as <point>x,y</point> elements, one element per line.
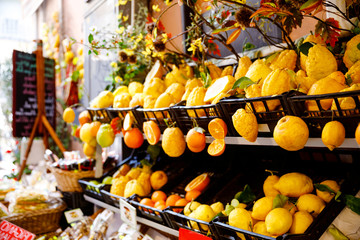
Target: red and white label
<point>9,231</point>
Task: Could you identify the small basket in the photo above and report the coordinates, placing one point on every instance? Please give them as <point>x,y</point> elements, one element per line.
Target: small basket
<point>68,180</point>
<point>99,114</point>
<point>40,221</point>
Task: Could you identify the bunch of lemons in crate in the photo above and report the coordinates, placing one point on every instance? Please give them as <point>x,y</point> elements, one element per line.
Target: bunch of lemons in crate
<point>290,205</point>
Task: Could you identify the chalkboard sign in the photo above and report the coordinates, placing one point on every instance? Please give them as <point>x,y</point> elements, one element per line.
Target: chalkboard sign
<point>24,93</point>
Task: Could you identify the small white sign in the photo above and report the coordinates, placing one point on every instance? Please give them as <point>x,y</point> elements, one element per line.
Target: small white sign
<point>74,215</point>
<point>128,213</point>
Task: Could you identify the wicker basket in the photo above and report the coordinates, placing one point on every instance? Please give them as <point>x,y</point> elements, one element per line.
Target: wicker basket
<point>68,180</point>
<point>40,221</point>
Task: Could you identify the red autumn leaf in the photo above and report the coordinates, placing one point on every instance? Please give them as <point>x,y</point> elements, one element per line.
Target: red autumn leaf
<point>116,125</point>
<point>233,36</point>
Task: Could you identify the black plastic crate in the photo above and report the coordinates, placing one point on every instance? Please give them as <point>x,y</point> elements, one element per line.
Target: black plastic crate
<point>202,115</point>
<point>316,120</point>
<point>230,105</point>
<point>76,200</point>
<point>91,189</point>
<point>99,114</point>
<point>121,113</point>
<point>158,115</point>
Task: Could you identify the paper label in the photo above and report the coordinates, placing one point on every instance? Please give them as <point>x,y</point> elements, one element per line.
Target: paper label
<point>74,215</point>
<point>128,213</point>
<point>9,231</point>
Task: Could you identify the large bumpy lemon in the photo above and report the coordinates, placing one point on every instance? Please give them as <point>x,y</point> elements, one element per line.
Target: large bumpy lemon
<point>278,221</point>
<point>327,196</point>
<point>121,89</point>
<point>291,133</point>
<point>252,91</point>
<point>217,207</point>
<point>105,99</point>
<point>285,60</point>
<point>190,207</point>
<point>301,221</point>
<point>333,134</point>
<point>294,184</point>
<point>177,90</point>
<point>154,87</point>
<point>314,39</point>
<point>196,98</point>
<point>204,213</point>
<point>268,186</point>
<point>173,142</point>
<point>258,71</point>
<point>347,102</point>
<point>262,207</point>
<point>122,100</point>
<point>135,87</point>
<point>310,203</point>
<point>245,124</point>
<point>243,67</point>
<point>260,228</point>
<point>221,85</point>
<point>352,52</point>
<point>354,73</point>
<point>240,218</point>
<point>320,62</point>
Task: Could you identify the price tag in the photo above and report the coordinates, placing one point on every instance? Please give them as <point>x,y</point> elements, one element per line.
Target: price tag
<point>128,213</point>
<point>13,232</point>
<point>185,234</point>
<point>74,215</point>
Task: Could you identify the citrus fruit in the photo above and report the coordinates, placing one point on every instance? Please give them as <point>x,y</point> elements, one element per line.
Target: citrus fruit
<point>294,184</point>
<point>128,121</point>
<point>158,179</point>
<point>310,203</point>
<point>105,135</point>
<point>84,117</point>
<point>290,207</point>
<point>157,70</point>
<point>160,202</point>
<point>158,195</point>
<point>68,115</point>
<point>105,99</point>
<point>85,133</point>
<point>173,142</point>
<point>177,90</point>
<point>160,207</point>
<point>357,134</point>
<point>133,187</point>
<point>180,203</point>
<point>320,62</point>
<point>262,207</point>
<point>243,66</point>
<point>333,134</point>
<point>217,207</point>
<point>121,89</point>
<point>240,218</point>
<point>192,195</point>
<point>258,71</point>
<point>217,128</point>
<point>172,199</point>
<point>195,139</point>
<point>133,138</point>
<point>95,128</point>
<point>154,87</point>
<point>204,213</point>
<point>135,87</point>
<point>245,124</point>
<point>89,150</point>
<point>326,196</point>
<point>124,169</point>
<point>196,98</point>
<point>137,100</point>
<point>268,186</point>
<point>221,85</point>
<point>122,100</point>
<point>260,228</point>
<point>291,133</point>
<point>352,52</point>
<point>190,207</point>
<point>216,147</point>
<point>301,221</point>
<point>152,132</point>
<point>278,221</point>
<point>199,183</point>
<point>147,202</point>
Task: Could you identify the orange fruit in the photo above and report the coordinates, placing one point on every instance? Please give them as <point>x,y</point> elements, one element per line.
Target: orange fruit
<point>68,115</point>
<point>133,138</point>
<point>217,128</point>
<point>95,127</point>
<point>192,195</point>
<point>357,134</point>
<point>84,117</point>
<point>217,147</point>
<point>172,199</point>
<point>152,132</point>
<point>199,183</point>
<point>195,139</point>
<point>158,195</point>
<point>147,202</point>
<point>180,203</point>
<point>160,202</point>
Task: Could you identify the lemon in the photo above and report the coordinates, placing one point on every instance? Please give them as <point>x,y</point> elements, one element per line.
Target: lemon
<point>268,186</point>
<point>137,100</point>
<point>326,196</point>
<point>221,85</point>
<point>294,184</point>
<point>285,60</point>
<point>85,133</point>
<point>260,228</point>
<point>164,100</point>
<point>177,75</point>
<point>227,71</point>
<point>301,221</point>
<point>217,207</point>
<point>190,207</point>
<point>290,207</point>
<point>352,52</point>
<point>320,62</point>
<point>258,71</point>
<point>135,87</point>
<point>262,207</point>
<point>176,90</point>
<point>149,102</point>
<point>173,142</point>
<point>333,134</point>
<point>314,39</point>
<point>154,87</point>
<point>243,66</point>
<point>105,99</point>
<point>122,100</point>
<point>354,72</point>
<point>245,124</point>
<point>133,187</point>
<point>192,83</point>
<point>204,213</point>
<point>240,218</point>
<point>196,98</point>
<point>291,133</point>
<point>105,136</point>
<point>310,203</point>
<point>252,91</point>
<point>89,150</point>
<point>278,221</point>
<point>120,90</point>
<point>68,115</point>
<point>156,71</point>
<point>347,102</point>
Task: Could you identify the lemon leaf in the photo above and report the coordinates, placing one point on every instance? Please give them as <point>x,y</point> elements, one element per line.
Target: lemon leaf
<point>246,195</point>
<point>353,203</point>
<point>242,83</point>
<point>337,234</point>
<point>324,188</point>
<point>271,57</point>
<point>228,209</point>
<point>90,38</point>
<point>304,48</point>
<point>154,151</point>
<point>220,214</point>
<point>279,201</point>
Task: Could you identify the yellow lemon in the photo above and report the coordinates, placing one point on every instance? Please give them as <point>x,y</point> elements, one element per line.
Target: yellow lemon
<point>258,71</point>
<point>268,186</point>
<point>352,52</point>
<point>262,207</point>
<point>89,150</point>
<point>68,115</point>
<point>291,133</point>
<point>294,184</point>
<point>252,91</point>
<point>120,90</point>
<point>333,134</point>
<point>122,100</point>
<point>240,218</point>
<point>176,90</point>
<point>310,203</point>
<point>85,133</point>
<point>290,207</point>
<point>137,100</point>
<point>278,221</point>
<point>314,39</point>
<point>326,196</point>
<point>301,221</point>
<point>190,207</point>
<point>221,85</point>
<point>196,98</point>
<point>285,60</point>
<point>320,62</point>
<point>347,102</point>
<point>135,87</point>
<point>105,99</point>
<point>243,67</point>
<point>154,87</point>
<point>217,207</point>
<point>245,124</point>
<point>173,142</point>
<point>157,71</point>
<point>260,228</point>
<point>133,187</point>
<point>354,72</point>
<point>204,213</point>
<point>105,136</point>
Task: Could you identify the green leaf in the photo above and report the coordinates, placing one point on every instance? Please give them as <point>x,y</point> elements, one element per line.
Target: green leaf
<point>308,4</point>
<point>279,201</point>
<point>336,233</point>
<point>246,195</point>
<point>228,209</point>
<point>90,38</point>
<point>269,59</point>
<point>304,48</point>
<point>154,151</point>
<point>96,52</point>
<point>348,79</point>
<point>353,203</point>
<point>216,31</point>
<point>75,76</point>
<point>89,52</point>
<point>248,46</point>
<point>358,46</point>
<point>324,188</point>
<point>220,214</point>
<point>242,83</point>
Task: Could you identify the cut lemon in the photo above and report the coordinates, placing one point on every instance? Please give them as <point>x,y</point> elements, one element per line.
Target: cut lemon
<point>199,183</point>
<point>217,128</point>
<point>128,121</point>
<point>216,148</point>
<point>152,132</point>
<point>156,71</point>
<point>222,85</point>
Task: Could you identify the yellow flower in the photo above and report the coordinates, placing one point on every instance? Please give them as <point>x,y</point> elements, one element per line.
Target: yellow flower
<point>167,2</point>
<point>147,52</point>
<point>129,52</point>
<point>120,15</point>
<point>120,30</point>
<point>139,37</point>
<point>165,38</point>
<point>118,79</point>
<point>122,2</point>
<point>156,8</point>
<point>125,18</point>
<point>113,64</point>
<point>197,44</point>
